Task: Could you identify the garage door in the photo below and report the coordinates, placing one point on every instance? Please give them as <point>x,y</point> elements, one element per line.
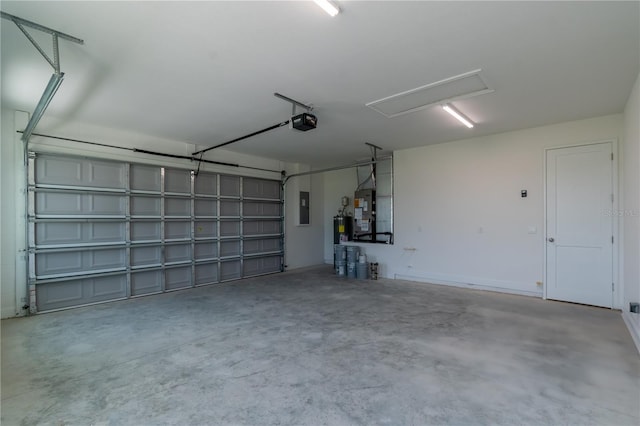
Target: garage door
<point>103,230</point>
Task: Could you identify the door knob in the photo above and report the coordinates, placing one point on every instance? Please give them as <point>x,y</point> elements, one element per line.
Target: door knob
<point>551,239</point>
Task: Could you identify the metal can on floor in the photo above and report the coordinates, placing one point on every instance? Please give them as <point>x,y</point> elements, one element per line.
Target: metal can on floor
<point>362,271</point>
<point>351,269</point>
<point>353,253</point>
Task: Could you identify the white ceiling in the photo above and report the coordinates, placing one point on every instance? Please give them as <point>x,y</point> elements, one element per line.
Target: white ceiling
<point>205,72</point>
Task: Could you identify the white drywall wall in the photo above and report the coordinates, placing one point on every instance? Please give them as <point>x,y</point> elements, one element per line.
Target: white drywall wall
<point>7,217</point>
<point>13,280</point>
<point>305,242</point>
<point>458,215</point>
<point>630,212</point>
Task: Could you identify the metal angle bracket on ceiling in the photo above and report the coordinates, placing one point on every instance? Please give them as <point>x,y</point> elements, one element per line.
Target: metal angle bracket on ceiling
<point>56,78</point>
<point>294,103</point>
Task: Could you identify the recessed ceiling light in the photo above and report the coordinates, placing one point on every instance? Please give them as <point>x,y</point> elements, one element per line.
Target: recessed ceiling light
<point>458,115</point>
<point>328,7</point>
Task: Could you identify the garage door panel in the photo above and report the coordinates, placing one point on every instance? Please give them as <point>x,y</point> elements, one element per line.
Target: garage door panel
<point>59,170</point>
<point>177,181</point>
<point>48,233</point>
<point>261,227</point>
<point>206,273</point>
<point>177,207</point>
<point>229,248</point>
<point>230,270</point>
<point>145,206</point>
<point>205,184</point>
<point>55,295</point>
<point>177,230</point>
<point>261,245</point>
<point>49,203</point>
<point>230,228</point>
<point>205,207</point>
<point>105,230</point>
<point>75,262</point>
<point>177,253</point>
<point>255,208</point>
<point>146,231</point>
<point>261,188</point>
<point>229,208</point>
<point>176,278</point>
<point>229,186</point>
<point>109,287</point>
<point>101,204</point>
<point>80,292</point>
<point>58,263</point>
<point>146,282</point>
<point>83,172</point>
<point>206,250</point>
<point>206,229</point>
<point>146,256</point>
<point>60,203</point>
<point>104,259</point>
<point>261,265</point>
<point>145,178</point>
<point>105,174</point>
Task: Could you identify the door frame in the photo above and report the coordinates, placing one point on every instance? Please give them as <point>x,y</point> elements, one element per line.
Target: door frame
<point>617,295</point>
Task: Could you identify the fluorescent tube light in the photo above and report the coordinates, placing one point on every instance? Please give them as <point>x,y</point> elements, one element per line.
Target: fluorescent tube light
<point>461,118</point>
<point>328,7</point>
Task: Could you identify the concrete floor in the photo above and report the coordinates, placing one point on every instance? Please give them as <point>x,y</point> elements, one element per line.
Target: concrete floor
<point>306,348</point>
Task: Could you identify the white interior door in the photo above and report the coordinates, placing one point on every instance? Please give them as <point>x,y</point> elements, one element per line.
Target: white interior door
<point>580,224</point>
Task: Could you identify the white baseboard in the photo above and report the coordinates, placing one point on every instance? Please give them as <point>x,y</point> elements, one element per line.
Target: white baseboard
<point>488,285</point>
<point>633,324</point>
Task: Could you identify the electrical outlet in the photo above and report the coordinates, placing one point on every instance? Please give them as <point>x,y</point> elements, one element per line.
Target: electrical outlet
<point>539,283</point>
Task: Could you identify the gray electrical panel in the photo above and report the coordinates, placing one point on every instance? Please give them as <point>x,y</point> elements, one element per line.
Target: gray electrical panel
<point>364,209</point>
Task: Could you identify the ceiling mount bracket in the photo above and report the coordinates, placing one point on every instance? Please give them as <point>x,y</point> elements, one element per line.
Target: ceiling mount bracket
<point>56,78</point>
<point>294,103</point>
<point>374,150</point>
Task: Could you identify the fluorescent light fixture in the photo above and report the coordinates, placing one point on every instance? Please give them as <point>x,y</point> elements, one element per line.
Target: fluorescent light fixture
<point>328,7</point>
<point>461,118</point>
